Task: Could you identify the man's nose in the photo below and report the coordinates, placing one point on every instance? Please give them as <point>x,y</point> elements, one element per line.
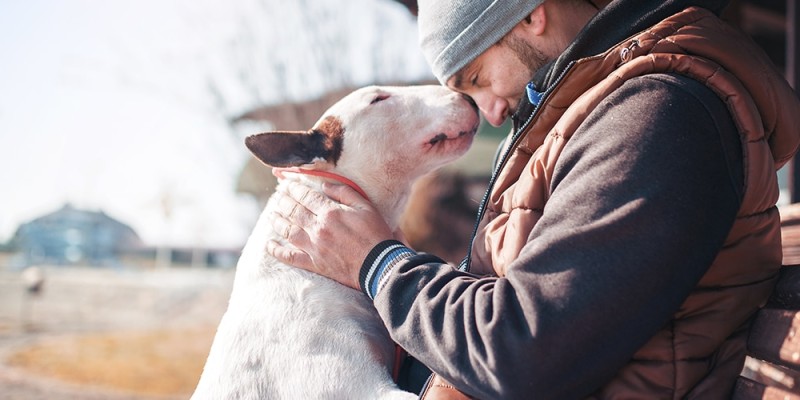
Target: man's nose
<point>492,107</point>
<point>494,112</point>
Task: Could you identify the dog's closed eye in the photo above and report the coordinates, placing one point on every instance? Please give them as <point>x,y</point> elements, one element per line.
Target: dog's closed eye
<point>380,97</point>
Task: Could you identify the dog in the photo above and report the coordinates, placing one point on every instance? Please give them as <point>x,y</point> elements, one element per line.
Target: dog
<point>292,334</point>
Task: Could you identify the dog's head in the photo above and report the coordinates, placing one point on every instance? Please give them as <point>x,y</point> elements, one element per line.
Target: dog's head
<point>378,136</point>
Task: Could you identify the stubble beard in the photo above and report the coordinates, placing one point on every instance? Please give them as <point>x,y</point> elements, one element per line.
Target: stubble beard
<point>531,57</point>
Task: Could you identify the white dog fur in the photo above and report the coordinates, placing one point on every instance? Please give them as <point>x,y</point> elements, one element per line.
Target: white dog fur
<point>290,334</point>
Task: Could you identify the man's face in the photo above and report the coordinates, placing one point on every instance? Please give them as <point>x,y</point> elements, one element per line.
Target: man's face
<point>496,79</point>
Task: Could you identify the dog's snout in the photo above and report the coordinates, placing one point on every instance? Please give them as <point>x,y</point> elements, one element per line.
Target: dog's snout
<point>470,101</point>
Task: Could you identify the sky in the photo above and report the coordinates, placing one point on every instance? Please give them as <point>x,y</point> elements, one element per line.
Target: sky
<point>123,106</point>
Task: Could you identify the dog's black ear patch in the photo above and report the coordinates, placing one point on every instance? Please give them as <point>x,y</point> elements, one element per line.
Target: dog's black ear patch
<point>293,149</point>
<point>287,148</point>
<point>333,130</point>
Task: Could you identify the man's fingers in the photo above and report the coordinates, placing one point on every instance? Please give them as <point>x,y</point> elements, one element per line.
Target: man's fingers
<point>346,195</point>
<point>289,255</point>
<point>289,230</point>
<point>287,206</point>
<point>293,211</point>
<point>288,251</point>
<point>335,194</point>
<point>311,200</point>
<point>328,233</point>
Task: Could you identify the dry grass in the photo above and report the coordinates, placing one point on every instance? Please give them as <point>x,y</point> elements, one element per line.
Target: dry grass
<point>152,363</point>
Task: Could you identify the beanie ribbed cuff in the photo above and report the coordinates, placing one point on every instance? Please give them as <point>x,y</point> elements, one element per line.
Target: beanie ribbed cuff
<point>453,33</point>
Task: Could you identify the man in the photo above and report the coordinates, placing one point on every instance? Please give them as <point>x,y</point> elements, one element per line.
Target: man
<point>630,231</point>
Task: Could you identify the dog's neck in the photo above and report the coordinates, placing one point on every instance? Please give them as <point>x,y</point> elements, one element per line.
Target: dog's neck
<point>324,174</point>
<point>389,203</point>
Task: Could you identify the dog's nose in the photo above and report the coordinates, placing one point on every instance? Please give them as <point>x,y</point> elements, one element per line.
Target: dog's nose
<point>470,101</point>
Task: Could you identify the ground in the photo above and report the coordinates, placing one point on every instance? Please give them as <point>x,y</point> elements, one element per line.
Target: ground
<point>125,334</point>
<point>110,334</point>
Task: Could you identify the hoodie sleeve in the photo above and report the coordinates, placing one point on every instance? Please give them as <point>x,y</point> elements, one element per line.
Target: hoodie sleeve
<point>643,197</point>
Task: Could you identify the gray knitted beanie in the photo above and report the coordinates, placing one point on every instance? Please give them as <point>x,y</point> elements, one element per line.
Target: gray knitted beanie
<point>452,33</point>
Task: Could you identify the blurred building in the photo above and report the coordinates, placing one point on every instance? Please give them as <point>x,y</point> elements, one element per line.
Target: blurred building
<point>70,236</point>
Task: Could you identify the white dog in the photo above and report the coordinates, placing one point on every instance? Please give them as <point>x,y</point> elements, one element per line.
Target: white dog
<point>290,334</point>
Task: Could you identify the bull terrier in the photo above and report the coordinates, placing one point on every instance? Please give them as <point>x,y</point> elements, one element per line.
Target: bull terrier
<point>292,334</point>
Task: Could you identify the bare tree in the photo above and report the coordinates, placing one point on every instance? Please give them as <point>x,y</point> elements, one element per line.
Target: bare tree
<point>290,51</point>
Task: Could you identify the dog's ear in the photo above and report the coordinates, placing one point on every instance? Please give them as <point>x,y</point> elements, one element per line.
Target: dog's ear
<point>287,148</point>
<point>292,149</point>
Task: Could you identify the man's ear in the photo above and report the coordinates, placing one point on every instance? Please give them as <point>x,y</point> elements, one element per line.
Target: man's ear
<point>536,21</point>
<point>288,148</point>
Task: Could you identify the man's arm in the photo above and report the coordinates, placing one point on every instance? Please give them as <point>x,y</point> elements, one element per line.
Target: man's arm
<point>643,197</point>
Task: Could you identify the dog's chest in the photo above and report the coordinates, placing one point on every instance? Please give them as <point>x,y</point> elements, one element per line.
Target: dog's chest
<point>286,303</point>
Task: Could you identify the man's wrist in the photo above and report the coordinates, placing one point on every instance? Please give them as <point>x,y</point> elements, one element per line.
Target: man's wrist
<point>379,263</point>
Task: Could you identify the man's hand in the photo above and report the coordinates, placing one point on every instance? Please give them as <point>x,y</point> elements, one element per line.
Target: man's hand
<point>329,236</point>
